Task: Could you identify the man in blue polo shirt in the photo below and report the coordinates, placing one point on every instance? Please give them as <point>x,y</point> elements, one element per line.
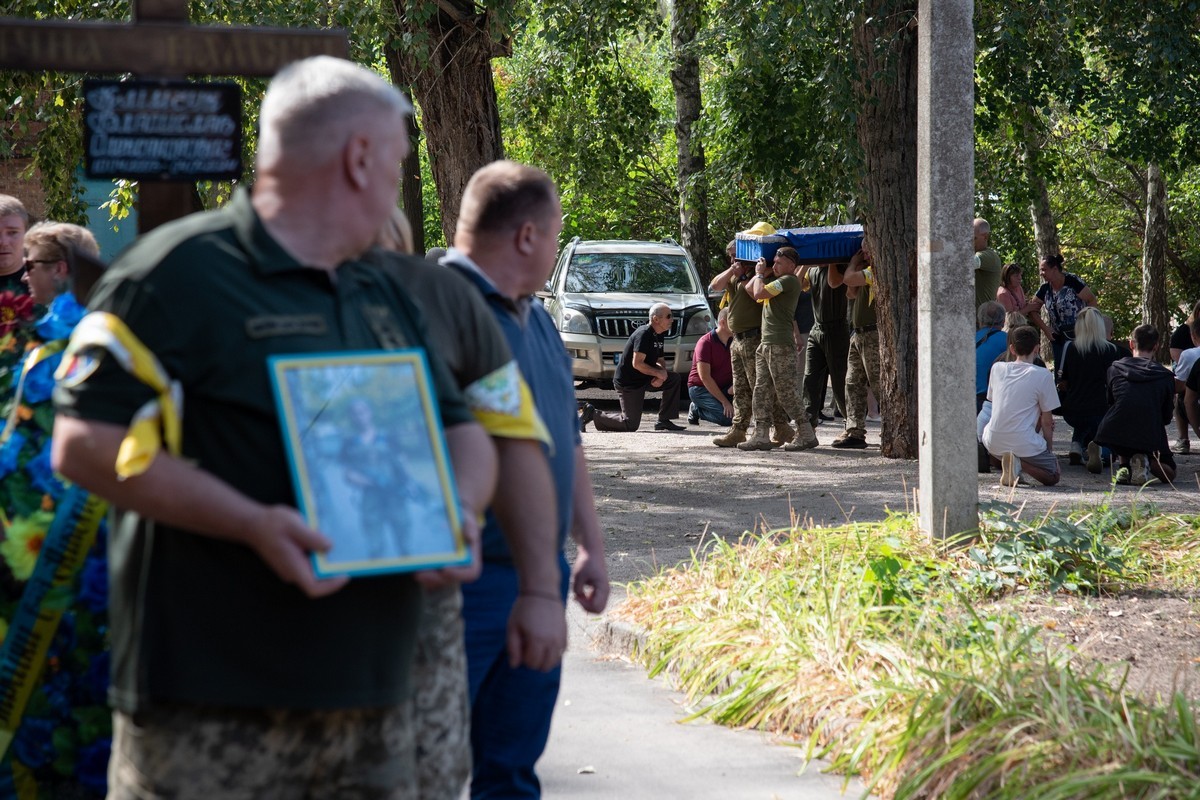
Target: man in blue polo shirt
<point>506,242</point>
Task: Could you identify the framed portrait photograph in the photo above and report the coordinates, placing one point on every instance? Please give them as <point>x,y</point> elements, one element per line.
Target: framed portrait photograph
<point>368,460</point>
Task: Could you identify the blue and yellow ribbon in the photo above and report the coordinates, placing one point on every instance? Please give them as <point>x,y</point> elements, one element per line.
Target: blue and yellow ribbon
<point>160,419</point>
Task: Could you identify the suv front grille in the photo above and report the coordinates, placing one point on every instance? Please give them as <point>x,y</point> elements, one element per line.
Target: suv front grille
<point>623,327</point>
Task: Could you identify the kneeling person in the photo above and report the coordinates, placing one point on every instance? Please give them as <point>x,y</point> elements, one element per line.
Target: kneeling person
<point>642,369</point>
<point>1141,394</point>
<point>710,383</point>
<point>1021,430</point>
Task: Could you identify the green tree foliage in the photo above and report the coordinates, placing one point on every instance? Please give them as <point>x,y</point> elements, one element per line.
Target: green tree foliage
<point>1083,93</point>
<point>586,97</point>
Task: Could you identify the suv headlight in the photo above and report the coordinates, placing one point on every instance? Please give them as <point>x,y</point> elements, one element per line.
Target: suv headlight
<point>700,323</point>
<point>574,320</point>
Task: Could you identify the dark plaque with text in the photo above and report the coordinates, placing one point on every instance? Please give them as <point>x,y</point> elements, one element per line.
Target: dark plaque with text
<point>162,130</point>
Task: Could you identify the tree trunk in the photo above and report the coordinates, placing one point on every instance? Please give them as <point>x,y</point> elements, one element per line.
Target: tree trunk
<point>411,197</point>
<point>444,52</point>
<point>1045,228</point>
<point>885,50</point>
<point>685,79</point>
<point>1154,258</point>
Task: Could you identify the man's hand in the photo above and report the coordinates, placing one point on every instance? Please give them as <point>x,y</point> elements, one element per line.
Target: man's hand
<point>283,540</point>
<point>589,581</point>
<point>446,576</point>
<point>657,382</point>
<point>179,494</point>
<point>727,407</point>
<point>537,632</point>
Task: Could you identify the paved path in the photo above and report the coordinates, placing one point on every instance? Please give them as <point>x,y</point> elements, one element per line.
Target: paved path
<point>625,728</point>
<point>617,734</point>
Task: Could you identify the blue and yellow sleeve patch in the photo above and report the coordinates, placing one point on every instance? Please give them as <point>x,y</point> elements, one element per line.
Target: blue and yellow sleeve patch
<point>503,404</point>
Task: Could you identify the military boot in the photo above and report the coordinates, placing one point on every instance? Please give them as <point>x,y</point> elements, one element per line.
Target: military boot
<point>759,441</point>
<point>732,438</point>
<point>806,439</point>
<point>782,434</point>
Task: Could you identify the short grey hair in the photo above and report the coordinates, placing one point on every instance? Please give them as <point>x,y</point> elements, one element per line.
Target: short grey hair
<point>659,310</point>
<point>723,314</point>
<point>990,315</point>
<point>312,105</point>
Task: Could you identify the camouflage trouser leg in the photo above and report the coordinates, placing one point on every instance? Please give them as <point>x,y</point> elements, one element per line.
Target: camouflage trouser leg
<point>862,373</point>
<point>741,355</point>
<point>441,708</point>
<point>777,384</point>
<point>201,753</point>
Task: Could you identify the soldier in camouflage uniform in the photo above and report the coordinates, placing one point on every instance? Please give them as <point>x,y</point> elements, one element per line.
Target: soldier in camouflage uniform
<point>863,366</point>
<point>777,381</point>
<point>745,320</point>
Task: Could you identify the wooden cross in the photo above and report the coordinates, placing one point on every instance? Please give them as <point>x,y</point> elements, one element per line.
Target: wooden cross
<point>159,43</point>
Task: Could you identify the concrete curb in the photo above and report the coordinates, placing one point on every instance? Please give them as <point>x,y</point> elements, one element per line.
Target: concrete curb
<point>615,638</point>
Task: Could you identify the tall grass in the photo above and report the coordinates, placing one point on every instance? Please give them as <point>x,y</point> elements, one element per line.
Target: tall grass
<point>868,644</point>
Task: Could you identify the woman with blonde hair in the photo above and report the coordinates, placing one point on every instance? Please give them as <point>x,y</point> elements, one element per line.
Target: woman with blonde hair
<point>1082,384</point>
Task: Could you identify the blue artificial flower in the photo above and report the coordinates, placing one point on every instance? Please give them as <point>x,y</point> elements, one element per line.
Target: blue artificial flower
<point>41,474</point>
<point>10,451</point>
<point>65,641</point>
<point>93,584</point>
<point>91,766</point>
<point>95,682</point>
<point>39,381</point>
<point>62,316</point>
<point>34,743</point>
<point>57,688</point>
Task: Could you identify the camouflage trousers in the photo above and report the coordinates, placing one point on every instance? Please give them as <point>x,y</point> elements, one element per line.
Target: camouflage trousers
<point>441,707</point>
<point>201,753</point>
<point>777,384</point>
<point>862,373</point>
<point>743,357</point>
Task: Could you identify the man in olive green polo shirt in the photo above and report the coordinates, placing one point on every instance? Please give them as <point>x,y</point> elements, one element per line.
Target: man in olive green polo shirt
<point>235,670</point>
<point>778,289</point>
<point>463,331</point>
<point>745,320</point>
<point>988,266</point>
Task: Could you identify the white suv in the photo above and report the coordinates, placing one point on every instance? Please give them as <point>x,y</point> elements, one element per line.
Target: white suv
<point>601,291</point>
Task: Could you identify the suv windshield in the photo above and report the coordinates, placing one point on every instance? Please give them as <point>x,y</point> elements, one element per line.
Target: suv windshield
<point>644,273</point>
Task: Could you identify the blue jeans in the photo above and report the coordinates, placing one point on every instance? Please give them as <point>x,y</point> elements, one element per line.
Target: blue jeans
<point>708,406</point>
<point>510,708</point>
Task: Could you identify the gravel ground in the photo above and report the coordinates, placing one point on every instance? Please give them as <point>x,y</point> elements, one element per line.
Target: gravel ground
<point>660,494</point>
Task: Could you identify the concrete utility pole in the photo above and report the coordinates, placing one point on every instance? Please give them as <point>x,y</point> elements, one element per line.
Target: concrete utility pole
<point>949,496</point>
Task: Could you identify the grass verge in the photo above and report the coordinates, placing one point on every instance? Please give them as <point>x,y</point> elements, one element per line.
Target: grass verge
<point>873,647</point>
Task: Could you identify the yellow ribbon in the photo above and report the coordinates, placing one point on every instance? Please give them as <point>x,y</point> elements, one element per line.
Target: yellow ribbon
<point>159,419</point>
